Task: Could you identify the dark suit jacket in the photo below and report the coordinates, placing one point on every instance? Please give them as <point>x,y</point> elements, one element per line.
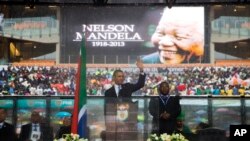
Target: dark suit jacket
<point>110,110</point>
<point>46,133</point>
<point>7,132</point>
<point>127,89</point>
<point>157,107</point>
<point>63,130</point>
<point>125,93</point>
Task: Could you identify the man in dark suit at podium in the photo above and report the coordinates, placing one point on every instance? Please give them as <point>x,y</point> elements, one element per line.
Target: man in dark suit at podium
<point>121,90</point>
<point>35,131</point>
<point>120,112</point>
<point>7,131</point>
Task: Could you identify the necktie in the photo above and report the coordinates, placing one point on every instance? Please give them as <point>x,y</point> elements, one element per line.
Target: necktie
<point>118,90</point>
<point>164,99</point>
<point>35,127</point>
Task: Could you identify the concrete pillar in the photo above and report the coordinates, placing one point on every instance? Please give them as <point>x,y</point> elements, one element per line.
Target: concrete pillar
<point>212,52</point>
<point>211,44</point>
<point>58,45</point>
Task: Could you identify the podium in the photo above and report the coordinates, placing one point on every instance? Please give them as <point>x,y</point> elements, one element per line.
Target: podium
<point>121,120</point>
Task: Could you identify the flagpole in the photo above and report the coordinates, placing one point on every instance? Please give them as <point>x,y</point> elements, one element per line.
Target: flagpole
<point>79,124</point>
<point>76,98</point>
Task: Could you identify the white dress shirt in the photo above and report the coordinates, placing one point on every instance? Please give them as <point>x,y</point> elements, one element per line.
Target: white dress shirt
<point>1,125</point>
<point>35,126</point>
<point>117,89</point>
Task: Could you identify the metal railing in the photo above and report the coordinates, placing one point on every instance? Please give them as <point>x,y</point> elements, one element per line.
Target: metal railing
<point>217,111</point>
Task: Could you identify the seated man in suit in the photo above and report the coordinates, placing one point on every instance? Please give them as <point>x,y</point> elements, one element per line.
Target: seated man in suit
<point>65,129</point>
<point>7,131</point>
<point>35,131</point>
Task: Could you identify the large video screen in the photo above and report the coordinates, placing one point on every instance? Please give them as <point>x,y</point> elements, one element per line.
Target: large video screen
<point>119,35</point>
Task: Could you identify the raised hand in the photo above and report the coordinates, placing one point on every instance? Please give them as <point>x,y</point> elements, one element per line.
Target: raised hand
<point>139,64</point>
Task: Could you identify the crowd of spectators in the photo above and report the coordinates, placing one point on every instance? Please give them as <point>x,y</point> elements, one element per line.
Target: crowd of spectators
<point>26,80</point>
<point>40,80</point>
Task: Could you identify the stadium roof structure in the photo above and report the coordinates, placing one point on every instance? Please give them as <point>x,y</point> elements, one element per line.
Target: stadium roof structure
<point>132,2</point>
